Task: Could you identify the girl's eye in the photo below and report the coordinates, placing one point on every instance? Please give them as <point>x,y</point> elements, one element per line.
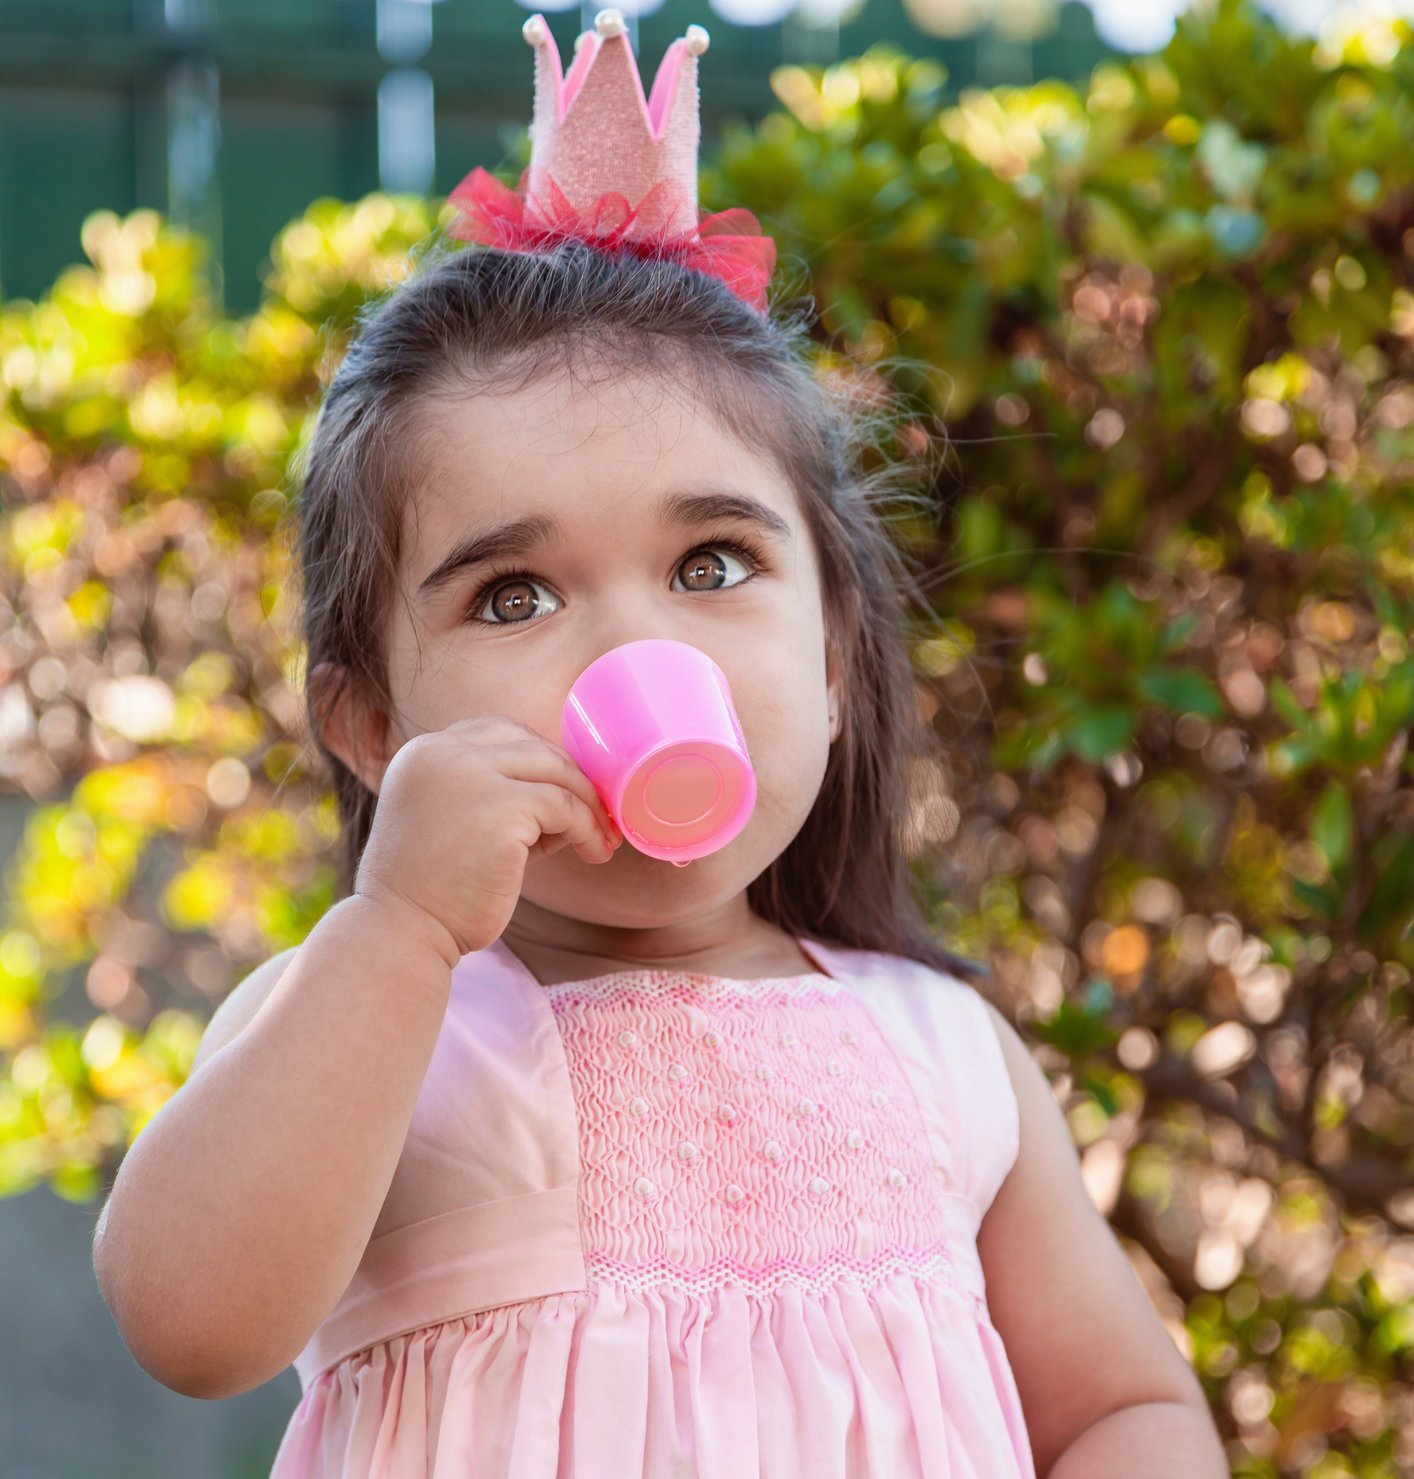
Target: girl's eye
<point>710,570</point>
<point>517,601</point>
<point>513,596</point>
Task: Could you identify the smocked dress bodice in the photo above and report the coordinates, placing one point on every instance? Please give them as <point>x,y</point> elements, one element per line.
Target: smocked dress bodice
<point>665,1224</point>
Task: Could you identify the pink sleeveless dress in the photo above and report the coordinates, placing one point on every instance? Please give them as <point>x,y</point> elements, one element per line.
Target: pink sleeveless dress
<point>671,1225</point>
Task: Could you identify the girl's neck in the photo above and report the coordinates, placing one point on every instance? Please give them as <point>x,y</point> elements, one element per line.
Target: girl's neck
<point>731,941</point>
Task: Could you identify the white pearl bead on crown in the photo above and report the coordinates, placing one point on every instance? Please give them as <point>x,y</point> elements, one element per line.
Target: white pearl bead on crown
<point>697,40</point>
<point>610,23</point>
<point>535,31</point>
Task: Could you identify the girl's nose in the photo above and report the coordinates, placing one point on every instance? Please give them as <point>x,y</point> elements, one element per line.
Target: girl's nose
<point>633,617</point>
<point>627,608</point>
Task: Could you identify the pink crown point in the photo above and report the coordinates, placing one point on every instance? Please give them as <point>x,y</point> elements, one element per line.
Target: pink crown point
<point>595,137</point>
<point>613,169</point>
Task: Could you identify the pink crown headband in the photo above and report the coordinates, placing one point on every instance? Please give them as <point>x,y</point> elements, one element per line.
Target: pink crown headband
<point>614,169</point>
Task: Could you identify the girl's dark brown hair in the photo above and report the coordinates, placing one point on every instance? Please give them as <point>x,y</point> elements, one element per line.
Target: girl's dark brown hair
<point>486,319</point>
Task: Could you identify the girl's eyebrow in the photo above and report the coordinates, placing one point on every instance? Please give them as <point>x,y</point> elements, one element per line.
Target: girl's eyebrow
<point>520,536</point>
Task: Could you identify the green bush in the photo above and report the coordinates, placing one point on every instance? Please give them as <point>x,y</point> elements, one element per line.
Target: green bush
<point>1163,330</point>
<point>149,662</point>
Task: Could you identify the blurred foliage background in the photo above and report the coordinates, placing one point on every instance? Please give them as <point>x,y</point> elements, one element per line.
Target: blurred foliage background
<point>1163,327</point>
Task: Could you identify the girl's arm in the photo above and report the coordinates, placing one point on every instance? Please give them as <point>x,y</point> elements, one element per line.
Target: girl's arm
<point>1106,1393</point>
<point>241,1211</point>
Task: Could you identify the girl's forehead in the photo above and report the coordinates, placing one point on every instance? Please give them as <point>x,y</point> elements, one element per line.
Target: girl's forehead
<point>580,453</point>
<point>563,414</point>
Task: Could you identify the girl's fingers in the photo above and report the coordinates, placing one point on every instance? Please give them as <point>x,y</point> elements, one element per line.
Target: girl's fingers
<point>564,818</point>
<point>575,780</point>
<point>537,759</point>
<point>522,754</point>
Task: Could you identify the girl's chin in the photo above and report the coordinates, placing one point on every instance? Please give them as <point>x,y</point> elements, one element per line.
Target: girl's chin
<point>628,856</point>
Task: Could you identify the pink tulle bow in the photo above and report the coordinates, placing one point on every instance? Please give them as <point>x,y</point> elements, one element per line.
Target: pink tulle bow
<point>729,245</point>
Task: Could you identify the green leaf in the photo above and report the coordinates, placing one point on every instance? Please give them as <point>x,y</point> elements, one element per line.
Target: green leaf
<point>1177,633</point>
<point>1284,702</point>
<point>1101,730</point>
<point>1321,901</point>
<point>1101,1092</point>
<point>1392,898</point>
<point>1395,1333</point>
<point>1333,825</point>
<point>1075,1030</point>
<point>1185,691</point>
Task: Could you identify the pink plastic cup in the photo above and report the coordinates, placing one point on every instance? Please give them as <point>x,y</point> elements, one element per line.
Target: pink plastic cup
<point>652,725</point>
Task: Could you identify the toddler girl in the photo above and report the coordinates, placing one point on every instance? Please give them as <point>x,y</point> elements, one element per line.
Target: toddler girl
<point>542,1157</point>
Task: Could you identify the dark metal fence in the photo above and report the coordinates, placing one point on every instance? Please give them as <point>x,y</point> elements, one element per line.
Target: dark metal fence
<point>232,115</point>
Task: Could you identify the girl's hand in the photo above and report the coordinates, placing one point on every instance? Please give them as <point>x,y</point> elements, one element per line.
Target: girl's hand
<point>460,813</point>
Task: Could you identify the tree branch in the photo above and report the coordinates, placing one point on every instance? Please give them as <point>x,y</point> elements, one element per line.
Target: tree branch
<point>1364,1183</point>
<point>1128,1218</point>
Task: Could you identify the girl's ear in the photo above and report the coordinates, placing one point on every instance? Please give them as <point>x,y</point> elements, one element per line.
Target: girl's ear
<point>834,691</point>
<point>353,729</point>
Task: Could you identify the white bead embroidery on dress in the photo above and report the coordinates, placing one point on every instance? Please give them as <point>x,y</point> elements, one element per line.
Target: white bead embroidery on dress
<point>760,1134</point>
